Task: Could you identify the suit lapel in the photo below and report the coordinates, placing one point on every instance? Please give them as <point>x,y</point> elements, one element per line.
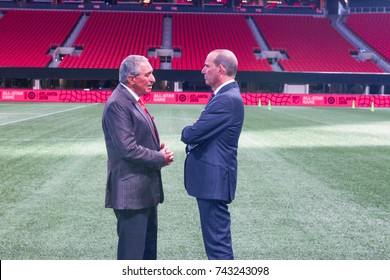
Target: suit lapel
<point>150,122</point>
<point>148,119</point>
<point>223,89</point>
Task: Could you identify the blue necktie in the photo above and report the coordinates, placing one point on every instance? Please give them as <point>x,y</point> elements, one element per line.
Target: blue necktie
<point>211,98</point>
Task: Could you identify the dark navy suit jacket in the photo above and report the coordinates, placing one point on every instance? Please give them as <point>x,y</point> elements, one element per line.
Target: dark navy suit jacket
<point>134,161</point>
<point>211,166</point>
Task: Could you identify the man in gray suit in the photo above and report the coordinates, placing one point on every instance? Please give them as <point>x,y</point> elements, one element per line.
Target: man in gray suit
<point>135,158</point>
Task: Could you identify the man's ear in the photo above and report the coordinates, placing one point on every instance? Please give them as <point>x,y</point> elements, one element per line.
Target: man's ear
<point>221,69</point>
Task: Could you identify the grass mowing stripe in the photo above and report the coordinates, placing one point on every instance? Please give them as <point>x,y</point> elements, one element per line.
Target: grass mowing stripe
<point>44,115</point>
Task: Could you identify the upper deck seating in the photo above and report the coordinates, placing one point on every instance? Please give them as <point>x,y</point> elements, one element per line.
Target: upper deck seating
<point>374,29</point>
<point>311,43</point>
<point>198,34</point>
<point>27,35</point>
<point>108,37</point>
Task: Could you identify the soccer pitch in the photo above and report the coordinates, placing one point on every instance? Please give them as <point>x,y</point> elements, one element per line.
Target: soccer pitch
<point>313,183</point>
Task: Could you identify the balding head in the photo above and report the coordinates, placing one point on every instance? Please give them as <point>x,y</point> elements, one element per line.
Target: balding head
<point>220,66</point>
<point>228,60</point>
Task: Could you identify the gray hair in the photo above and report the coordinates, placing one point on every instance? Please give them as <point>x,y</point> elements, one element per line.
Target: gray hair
<point>228,60</point>
<point>130,67</point>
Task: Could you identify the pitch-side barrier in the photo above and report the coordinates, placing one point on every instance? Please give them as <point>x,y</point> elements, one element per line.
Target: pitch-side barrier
<point>250,99</point>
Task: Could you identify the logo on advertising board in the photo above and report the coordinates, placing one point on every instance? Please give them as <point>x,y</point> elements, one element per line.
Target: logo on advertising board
<point>296,99</point>
<point>331,100</point>
<point>31,95</point>
<point>182,97</point>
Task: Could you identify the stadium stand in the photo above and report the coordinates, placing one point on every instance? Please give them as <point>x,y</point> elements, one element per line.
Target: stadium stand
<point>374,29</point>
<point>27,35</point>
<point>311,45</point>
<point>108,37</point>
<point>197,34</point>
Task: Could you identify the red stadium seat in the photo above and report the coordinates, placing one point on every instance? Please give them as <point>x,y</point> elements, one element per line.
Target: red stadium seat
<point>198,34</point>
<point>109,37</point>
<point>26,36</point>
<point>312,44</point>
<point>374,29</point>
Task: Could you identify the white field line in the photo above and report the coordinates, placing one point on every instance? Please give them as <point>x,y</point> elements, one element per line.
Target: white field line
<point>49,114</point>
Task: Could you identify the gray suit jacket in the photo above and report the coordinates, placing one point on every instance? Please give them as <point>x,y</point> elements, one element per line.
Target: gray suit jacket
<point>134,161</point>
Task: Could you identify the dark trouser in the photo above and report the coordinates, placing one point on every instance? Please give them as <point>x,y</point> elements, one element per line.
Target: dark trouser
<point>137,234</point>
<point>215,222</point>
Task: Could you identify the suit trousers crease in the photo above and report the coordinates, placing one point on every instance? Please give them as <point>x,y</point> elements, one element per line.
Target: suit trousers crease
<point>215,224</point>
<point>137,234</point>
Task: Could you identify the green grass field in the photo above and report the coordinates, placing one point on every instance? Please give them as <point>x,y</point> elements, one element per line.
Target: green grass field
<point>313,183</point>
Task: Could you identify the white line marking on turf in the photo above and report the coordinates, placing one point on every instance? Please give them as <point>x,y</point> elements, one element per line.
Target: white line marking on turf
<point>49,114</point>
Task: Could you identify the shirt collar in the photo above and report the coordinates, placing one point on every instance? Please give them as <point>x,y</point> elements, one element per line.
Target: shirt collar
<point>131,91</point>
<point>224,84</point>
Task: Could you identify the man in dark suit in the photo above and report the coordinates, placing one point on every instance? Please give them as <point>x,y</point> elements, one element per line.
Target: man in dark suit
<point>211,163</point>
<point>135,158</point>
